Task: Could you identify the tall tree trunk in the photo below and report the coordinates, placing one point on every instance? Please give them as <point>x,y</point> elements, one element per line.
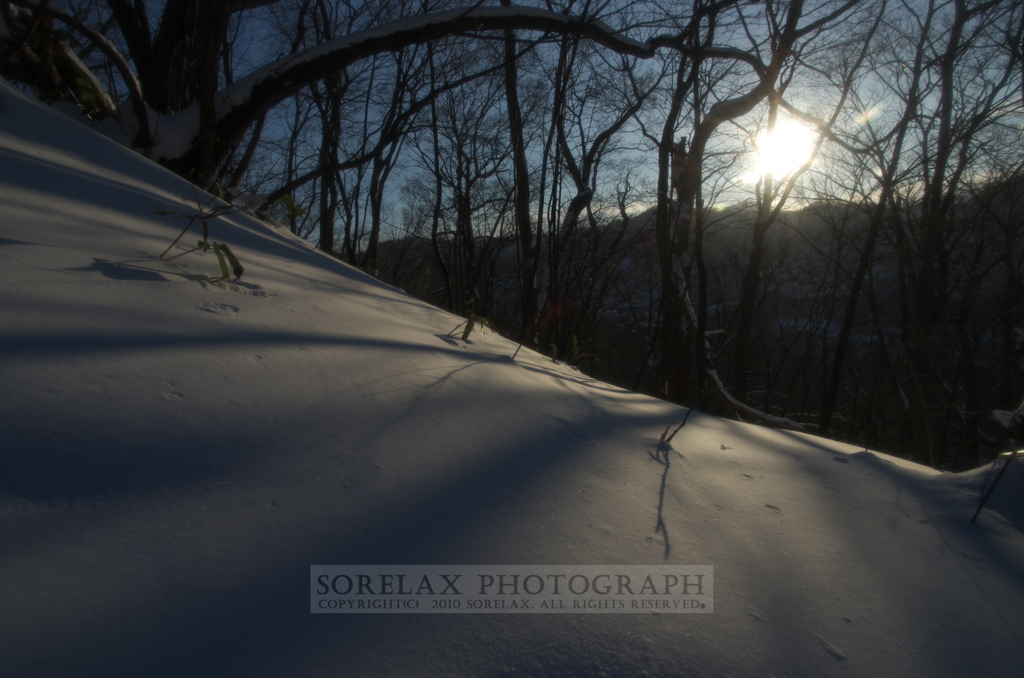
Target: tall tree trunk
<point>435,221</point>
<point>928,285</point>
<point>672,161</point>
<point>521,174</point>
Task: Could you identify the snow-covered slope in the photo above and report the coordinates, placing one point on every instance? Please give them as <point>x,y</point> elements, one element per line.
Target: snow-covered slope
<point>175,453</point>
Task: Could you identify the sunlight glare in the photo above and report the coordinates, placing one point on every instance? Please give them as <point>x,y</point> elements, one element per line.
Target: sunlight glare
<point>783,151</point>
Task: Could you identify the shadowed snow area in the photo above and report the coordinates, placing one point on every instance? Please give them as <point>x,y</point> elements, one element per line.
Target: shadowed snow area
<point>176,452</point>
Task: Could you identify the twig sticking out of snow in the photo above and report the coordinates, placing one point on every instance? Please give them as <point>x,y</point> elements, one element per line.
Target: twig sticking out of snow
<point>1010,456</point>
<point>225,257</point>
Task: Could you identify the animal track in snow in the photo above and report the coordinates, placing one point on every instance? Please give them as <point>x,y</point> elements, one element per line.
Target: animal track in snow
<point>237,286</point>
<point>219,309</point>
<point>832,649</point>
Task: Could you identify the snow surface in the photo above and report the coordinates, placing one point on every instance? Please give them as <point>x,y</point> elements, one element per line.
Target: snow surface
<point>175,453</point>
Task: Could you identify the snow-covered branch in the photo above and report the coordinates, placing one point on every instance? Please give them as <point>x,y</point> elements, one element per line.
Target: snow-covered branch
<point>1010,419</point>
<point>240,104</point>
<point>743,407</point>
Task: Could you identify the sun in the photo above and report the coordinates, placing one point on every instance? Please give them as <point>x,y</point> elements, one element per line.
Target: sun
<point>783,151</point>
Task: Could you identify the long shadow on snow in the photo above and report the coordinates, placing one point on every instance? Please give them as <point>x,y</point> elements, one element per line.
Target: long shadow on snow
<point>83,459</point>
<point>31,345</point>
<point>914,495</point>
<point>260,623</point>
